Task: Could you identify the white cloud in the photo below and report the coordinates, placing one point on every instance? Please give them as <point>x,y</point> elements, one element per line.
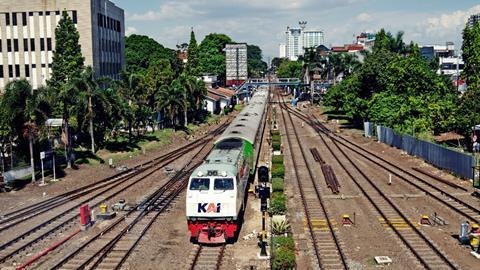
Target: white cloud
<point>130,30</point>
<point>168,10</point>
<point>364,17</point>
<point>447,24</point>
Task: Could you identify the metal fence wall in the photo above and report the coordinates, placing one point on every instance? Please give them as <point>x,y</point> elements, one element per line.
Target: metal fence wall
<point>442,157</point>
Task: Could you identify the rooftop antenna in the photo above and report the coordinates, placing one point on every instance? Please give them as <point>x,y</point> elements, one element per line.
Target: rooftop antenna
<point>302,24</point>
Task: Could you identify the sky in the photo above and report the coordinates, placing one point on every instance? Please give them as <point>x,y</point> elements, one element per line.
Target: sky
<point>263,22</point>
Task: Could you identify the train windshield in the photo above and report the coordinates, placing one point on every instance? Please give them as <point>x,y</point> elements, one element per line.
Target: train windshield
<point>223,184</point>
<point>200,184</point>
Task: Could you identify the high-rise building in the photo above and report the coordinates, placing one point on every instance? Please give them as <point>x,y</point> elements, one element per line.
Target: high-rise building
<point>313,38</point>
<point>474,18</point>
<point>27,37</point>
<point>282,50</point>
<point>298,39</point>
<point>294,43</point>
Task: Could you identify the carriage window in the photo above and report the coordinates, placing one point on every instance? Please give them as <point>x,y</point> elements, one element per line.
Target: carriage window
<point>223,184</point>
<point>200,184</point>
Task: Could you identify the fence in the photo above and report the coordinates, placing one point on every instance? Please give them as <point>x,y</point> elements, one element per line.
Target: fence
<point>442,157</point>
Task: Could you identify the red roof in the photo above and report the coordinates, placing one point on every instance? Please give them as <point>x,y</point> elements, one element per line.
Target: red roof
<point>213,96</point>
<point>226,92</point>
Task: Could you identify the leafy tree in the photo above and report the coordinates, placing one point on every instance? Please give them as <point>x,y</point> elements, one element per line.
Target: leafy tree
<point>67,64</point>
<point>141,51</point>
<point>256,66</point>
<point>211,56</point>
<point>469,111</point>
<point>192,64</point>
<point>26,111</point>
<point>173,100</point>
<point>130,90</point>
<point>67,60</point>
<point>277,61</point>
<point>290,69</point>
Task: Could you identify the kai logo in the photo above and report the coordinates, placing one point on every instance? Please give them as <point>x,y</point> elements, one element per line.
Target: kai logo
<point>209,207</point>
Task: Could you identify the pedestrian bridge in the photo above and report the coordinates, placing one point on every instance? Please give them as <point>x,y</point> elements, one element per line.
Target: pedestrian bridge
<point>292,82</point>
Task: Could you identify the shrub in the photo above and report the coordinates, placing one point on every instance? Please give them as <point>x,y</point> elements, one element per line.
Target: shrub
<point>276,146</point>
<point>285,242</point>
<point>283,259</point>
<point>278,171</point>
<point>280,227</point>
<point>277,185</point>
<point>276,138</point>
<point>278,204</point>
<point>277,159</point>
<point>283,255</point>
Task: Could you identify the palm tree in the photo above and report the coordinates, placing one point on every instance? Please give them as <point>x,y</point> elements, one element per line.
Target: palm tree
<point>88,89</point>
<point>129,88</point>
<point>27,110</point>
<point>173,100</point>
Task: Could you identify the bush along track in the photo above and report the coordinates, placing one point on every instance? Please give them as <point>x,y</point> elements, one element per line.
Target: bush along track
<point>282,243</point>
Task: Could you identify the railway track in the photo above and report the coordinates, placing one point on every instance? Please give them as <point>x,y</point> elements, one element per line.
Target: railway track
<point>66,219</point>
<point>437,193</point>
<point>207,258</point>
<point>111,248</point>
<point>421,247</point>
<point>18,216</point>
<point>327,247</point>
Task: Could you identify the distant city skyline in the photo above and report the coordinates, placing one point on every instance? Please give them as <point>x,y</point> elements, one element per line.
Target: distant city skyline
<point>263,22</point>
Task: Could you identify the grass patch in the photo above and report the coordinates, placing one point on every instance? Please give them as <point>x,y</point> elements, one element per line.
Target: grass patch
<point>121,149</point>
<point>278,171</point>
<point>238,107</point>
<point>278,204</point>
<point>283,255</point>
<point>277,159</point>
<point>277,185</point>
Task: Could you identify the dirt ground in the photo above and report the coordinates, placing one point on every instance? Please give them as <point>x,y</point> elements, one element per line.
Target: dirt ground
<point>83,176</point>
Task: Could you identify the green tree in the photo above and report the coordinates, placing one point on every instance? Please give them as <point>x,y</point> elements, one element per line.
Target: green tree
<point>129,88</point>
<point>290,69</point>
<point>141,51</point>
<point>211,57</point>
<point>469,111</point>
<point>277,61</point>
<point>26,111</point>
<point>159,73</point>
<point>172,100</point>
<point>192,64</point>
<point>256,66</point>
<point>67,64</point>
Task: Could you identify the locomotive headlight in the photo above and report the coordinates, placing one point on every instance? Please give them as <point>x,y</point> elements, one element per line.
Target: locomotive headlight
<point>200,174</point>
<point>224,174</point>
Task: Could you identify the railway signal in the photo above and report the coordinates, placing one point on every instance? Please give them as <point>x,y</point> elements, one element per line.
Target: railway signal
<point>263,192</point>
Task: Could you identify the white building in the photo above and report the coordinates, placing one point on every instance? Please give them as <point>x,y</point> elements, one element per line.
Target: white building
<point>451,67</point>
<point>294,43</point>
<point>282,50</point>
<point>474,18</point>
<point>27,37</point>
<point>298,39</point>
<point>313,38</point>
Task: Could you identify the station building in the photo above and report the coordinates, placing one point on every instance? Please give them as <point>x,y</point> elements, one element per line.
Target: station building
<point>27,37</point>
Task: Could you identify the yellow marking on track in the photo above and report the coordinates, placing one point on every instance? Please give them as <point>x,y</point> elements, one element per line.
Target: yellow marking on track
<point>318,225</point>
<point>398,223</point>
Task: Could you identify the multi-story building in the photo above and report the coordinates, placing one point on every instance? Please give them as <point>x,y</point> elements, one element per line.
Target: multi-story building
<point>27,37</point>
<point>282,50</point>
<point>474,18</point>
<point>367,40</point>
<point>313,38</point>
<point>434,51</point>
<point>298,39</point>
<point>294,43</point>
<point>236,56</point>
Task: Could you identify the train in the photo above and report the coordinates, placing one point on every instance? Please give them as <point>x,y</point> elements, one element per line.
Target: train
<point>216,189</point>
